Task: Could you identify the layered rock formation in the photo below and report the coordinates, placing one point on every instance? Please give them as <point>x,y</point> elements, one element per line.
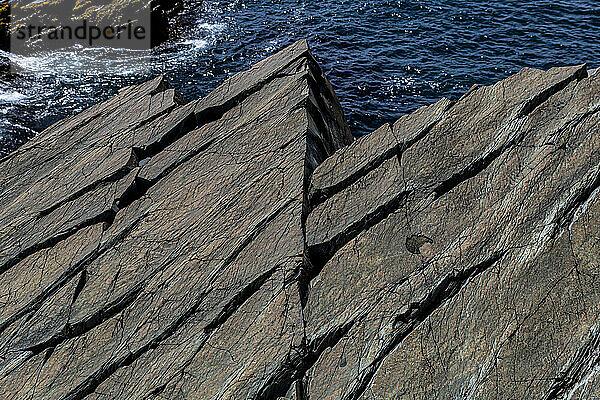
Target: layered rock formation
<point>244,246</point>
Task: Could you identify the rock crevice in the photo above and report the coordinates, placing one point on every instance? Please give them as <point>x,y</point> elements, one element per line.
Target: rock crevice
<point>245,246</point>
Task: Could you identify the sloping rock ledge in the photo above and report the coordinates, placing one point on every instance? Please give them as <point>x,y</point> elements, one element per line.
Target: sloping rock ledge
<point>245,246</point>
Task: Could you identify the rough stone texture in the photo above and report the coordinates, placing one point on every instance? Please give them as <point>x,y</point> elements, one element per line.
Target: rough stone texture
<point>244,246</point>
<point>471,281</point>
<point>167,234</point>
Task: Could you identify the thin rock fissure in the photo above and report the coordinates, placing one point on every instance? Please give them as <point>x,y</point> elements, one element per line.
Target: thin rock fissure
<point>89,385</point>
<point>408,321</point>
<point>298,362</point>
<point>582,366</point>
<point>136,191</point>
<point>66,276</point>
<point>574,204</point>
<point>214,113</point>
<point>319,196</point>
<point>542,97</point>
<point>105,217</point>
<point>321,253</point>
<point>229,275</point>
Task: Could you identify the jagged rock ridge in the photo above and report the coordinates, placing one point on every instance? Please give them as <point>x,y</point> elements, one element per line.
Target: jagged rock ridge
<point>244,246</point>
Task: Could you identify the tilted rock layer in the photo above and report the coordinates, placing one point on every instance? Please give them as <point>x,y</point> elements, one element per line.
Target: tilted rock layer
<point>244,246</point>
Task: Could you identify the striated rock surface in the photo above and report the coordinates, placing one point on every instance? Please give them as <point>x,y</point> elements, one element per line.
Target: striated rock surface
<point>244,246</point>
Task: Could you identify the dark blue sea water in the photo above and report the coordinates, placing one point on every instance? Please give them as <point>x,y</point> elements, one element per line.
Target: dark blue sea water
<point>384,58</point>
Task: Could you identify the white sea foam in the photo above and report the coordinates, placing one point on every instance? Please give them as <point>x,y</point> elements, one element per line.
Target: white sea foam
<point>65,80</point>
<point>201,37</point>
<point>196,44</point>
<point>213,28</point>
<point>11,97</point>
<point>77,60</point>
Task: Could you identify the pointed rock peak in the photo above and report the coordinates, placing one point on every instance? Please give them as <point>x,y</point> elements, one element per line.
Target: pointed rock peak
<point>292,70</point>
<point>247,82</point>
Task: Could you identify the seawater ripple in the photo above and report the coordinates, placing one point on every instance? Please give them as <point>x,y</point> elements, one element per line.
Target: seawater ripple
<point>384,58</point>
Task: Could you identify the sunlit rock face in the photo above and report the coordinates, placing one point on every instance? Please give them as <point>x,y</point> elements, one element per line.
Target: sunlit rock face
<point>245,246</point>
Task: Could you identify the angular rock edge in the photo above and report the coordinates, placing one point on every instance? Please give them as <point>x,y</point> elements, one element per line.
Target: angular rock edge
<point>244,245</point>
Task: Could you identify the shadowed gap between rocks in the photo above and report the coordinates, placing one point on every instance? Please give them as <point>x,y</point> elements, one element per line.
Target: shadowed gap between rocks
<point>482,163</point>
<point>318,255</point>
<point>183,128</point>
<point>300,360</point>
<point>66,276</point>
<point>567,213</point>
<point>141,186</point>
<point>135,158</point>
<point>136,190</point>
<point>583,365</point>
<point>105,217</point>
<point>542,97</point>
<point>89,385</point>
<point>417,313</point>
<point>319,196</point>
